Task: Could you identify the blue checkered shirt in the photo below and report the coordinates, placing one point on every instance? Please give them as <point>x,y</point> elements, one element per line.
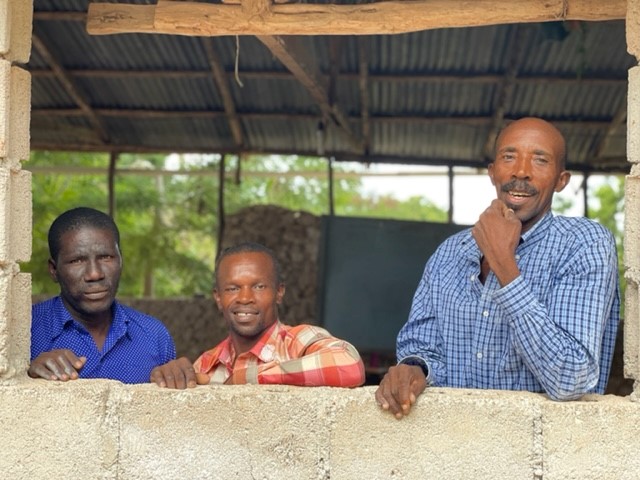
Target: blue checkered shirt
<point>552,329</point>
<point>135,343</point>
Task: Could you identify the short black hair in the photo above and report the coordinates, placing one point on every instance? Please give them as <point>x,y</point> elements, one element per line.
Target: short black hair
<point>75,219</point>
<point>251,247</point>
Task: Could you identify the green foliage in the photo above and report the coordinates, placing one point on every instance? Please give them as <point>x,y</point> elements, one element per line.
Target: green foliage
<point>608,209</point>
<point>168,223</point>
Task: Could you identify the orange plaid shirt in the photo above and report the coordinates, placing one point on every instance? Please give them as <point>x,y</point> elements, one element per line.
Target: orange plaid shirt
<point>303,355</point>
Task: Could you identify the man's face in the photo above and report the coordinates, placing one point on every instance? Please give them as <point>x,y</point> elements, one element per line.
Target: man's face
<point>248,296</point>
<point>528,168</point>
<point>88,270</point>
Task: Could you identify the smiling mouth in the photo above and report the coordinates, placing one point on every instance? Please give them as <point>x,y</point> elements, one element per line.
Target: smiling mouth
<point>519,194</point>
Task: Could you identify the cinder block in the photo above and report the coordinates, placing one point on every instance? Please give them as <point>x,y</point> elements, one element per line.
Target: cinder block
<point>15,321</point>
<point>20,327</point>
<point>591,439</point>
<point>632,26</point>
<point>20,223</point>
<point>20,115</point>
<point>15,216</point>
<point>15,113</point>
<point>631,241</point>
<point>16,23</point>
<point>633,116</point>
<point>631,347</point>
<point>5,215</point>
<point>247,431</point>
<point>54,430</point>
<point>5,27</point>
<point>450,433</point>
<point>5,109</point>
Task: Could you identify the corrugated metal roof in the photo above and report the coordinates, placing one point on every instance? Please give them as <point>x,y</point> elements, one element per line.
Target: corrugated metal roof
<point>431,95</point>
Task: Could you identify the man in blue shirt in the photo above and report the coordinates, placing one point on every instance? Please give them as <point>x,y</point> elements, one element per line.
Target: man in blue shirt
<point>84,332</point>
<point>524,300</point>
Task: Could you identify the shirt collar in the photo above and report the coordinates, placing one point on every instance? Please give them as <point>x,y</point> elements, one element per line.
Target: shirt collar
<point>538,230</point>
<point>61,318</point>
<point>260,350</point>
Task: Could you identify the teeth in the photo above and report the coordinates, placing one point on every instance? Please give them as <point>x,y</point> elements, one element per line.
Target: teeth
<point>518,194</point>
<point>243,314</point>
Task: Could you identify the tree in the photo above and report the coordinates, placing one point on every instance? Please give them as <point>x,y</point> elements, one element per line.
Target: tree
<point>168,224</point>
<point>608,209</point>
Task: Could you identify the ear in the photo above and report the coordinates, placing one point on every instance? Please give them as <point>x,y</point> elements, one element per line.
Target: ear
<point>563,180</point>
<point>53,273</point>
<point>280,294</point>
<point>490,170</point>
<point>216,297</point>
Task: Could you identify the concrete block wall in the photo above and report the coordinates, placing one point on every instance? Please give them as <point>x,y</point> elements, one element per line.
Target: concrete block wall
<point>15,187</point>
<point>632,202</point>
<point>105,430</point>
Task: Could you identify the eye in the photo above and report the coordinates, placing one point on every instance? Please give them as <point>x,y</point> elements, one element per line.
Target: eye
<point>106,257</point>
<point>75,261</point>
<point>231,288</point>
<point>260,286</point>
<point>541,160</point>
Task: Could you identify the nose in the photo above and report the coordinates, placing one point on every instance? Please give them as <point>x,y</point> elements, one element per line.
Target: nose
<point>523,168</point>
<point>94,271</point>
<point>245,295</point>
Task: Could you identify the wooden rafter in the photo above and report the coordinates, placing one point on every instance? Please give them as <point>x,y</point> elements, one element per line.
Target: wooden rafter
<point>71,88</point>
<point>617,120</point>
<point>384,17</point>
<point>353,76</point>
<point>301,63</point>
<point>614,164</point>
<point>467,120</point>
<point>222,84</point>
<point>363,87</point>
<point>517,47</point>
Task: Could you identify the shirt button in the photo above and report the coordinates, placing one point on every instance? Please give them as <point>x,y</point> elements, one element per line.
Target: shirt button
<point>472,278</point>
<point>517,257</point>
<point>479,355</point>
<point>485,313</point>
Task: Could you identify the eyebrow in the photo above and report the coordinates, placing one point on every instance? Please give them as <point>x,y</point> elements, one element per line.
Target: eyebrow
<point>513,149</point>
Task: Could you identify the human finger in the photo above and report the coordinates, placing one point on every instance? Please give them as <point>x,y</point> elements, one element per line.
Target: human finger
<point>389,392</point>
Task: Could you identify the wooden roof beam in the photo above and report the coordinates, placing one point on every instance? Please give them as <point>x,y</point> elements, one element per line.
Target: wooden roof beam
<point>609,165</point>
<point>363,85</point>
<point>384,17</point>
<point>68,83</point>
<point>469,120</point>
<point>617,120</point>
<point>517,47</point>
<point>293,55</point>
<point>222,84</point>
<point>354,76</point>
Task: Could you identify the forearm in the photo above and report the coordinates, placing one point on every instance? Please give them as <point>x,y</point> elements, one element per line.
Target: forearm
<point>331,363</point>
<point>560,340</point>
<point>418,338</point>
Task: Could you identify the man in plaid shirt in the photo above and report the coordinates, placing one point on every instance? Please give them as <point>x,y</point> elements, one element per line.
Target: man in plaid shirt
<point>259,348</point>
<point>524,300</point>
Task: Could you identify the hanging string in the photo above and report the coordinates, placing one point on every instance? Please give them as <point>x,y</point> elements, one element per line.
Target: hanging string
<point>238,81</point>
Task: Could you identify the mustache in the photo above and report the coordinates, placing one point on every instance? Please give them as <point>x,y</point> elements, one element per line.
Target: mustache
<point>520,186</point>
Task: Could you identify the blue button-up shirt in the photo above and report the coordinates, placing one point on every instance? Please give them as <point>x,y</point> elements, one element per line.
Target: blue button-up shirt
<point>135,343</point>
<point>552,329</point>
